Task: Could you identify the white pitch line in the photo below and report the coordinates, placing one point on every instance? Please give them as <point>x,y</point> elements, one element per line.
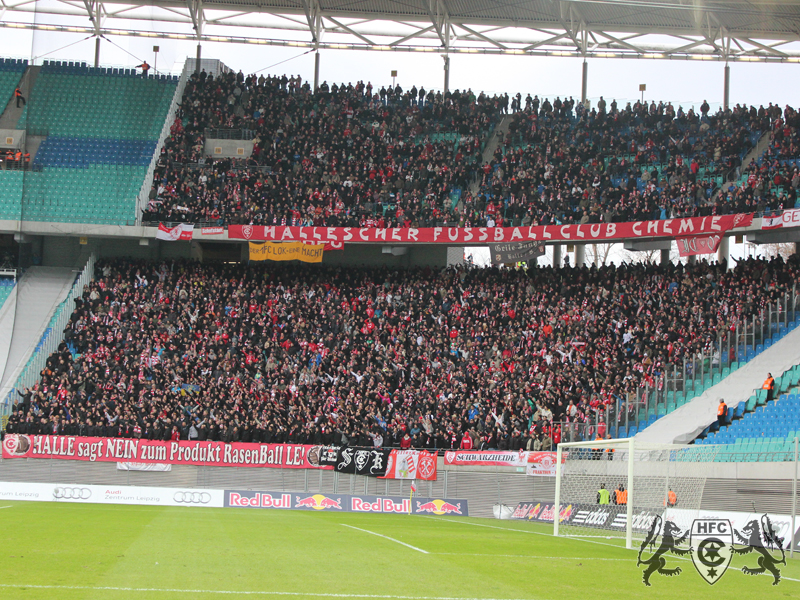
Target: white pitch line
<point>577,539</point>
<point>461,522</point>
<point>1,507</point>
<point>386,537</point>
<point>243,593</point>
<point>525,556</point>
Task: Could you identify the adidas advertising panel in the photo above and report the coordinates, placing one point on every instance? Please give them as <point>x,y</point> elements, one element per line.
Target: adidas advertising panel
<point>607,516</point>
<point>110,494</point>
<point>346,503</point>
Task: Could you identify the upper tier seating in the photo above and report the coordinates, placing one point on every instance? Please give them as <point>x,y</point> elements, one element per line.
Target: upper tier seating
<point>89,103</point>
<point>11,71</point>
<point>343,156</point>
<point>762,431</point>
<point>102,127</point>
<point>6,286</point>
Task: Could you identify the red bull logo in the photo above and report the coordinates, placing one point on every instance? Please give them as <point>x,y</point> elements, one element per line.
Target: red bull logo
<point>439,507</point>
<point>317,502</point>
<point>534,512</point>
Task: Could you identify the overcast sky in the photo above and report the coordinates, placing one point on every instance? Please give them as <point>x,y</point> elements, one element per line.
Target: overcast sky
<point>680,81</point>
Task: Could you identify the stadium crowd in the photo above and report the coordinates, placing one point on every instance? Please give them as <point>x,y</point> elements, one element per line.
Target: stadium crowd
<point>773,180</point>
<point>385,357</point>
<point>615,164</point>
<point>340,157</point>
<point>353,155</point>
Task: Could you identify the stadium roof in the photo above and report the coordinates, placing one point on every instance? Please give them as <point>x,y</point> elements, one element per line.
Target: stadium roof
<point>726,30</point>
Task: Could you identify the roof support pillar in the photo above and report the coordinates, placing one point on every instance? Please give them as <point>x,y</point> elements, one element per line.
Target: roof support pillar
<point>316,70</point>
<point>198,21</point>
<point>580,255</point>
<point>723,252</point>
<point>584,81</point>
<point>556,256</point>
<point>726,87</point>
<point>665,260</point>
<point>95,11</point>
<point>446,58</point>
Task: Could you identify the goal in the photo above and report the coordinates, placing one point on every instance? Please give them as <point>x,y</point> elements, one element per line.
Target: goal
<point>658,483</point>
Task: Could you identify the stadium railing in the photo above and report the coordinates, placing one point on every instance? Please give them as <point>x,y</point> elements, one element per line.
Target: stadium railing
<point>29,374</point>
<point>679,384</point>
<point>147,184</point>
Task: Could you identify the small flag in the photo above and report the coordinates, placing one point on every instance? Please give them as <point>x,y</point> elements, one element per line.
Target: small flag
<point>181,231</point>
<point>413,488</point>
<point>772,222</point>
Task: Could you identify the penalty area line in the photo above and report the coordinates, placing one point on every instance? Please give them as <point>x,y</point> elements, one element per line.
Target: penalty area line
<point>242,593</point>
<point>527,556</point>
<point>386,537</point>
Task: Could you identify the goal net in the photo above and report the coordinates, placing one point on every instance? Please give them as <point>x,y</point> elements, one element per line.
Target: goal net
<point>618,488</point>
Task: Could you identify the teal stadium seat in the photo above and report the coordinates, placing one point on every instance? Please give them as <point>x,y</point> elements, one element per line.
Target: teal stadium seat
<point>101,133</point>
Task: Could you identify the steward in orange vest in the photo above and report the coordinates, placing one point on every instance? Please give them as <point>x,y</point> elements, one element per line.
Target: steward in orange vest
<point>672,499</point>
<point>769,385</point>
<point>722,412</point>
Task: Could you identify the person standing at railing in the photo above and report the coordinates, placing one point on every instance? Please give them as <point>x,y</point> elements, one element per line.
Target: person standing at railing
<point>769,385</point>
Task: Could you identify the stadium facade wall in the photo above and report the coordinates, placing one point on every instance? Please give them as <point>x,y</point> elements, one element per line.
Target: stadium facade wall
<point>734,487</point>
<point>65,251</point>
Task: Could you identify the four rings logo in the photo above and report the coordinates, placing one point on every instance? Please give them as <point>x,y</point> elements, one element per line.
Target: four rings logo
<point>72,493</point>
<point>192,497</point>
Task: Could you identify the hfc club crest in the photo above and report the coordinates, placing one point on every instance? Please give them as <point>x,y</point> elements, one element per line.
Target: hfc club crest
<point>711,541</point>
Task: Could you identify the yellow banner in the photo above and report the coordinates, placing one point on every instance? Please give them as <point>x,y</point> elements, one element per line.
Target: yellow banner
<point>286,251</point>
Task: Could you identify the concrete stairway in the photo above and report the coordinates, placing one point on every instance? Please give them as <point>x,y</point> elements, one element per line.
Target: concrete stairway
<point>498,135</point>
<point>682,425</point>
<point>11,114</point>
<point>761,145</point>
<point>7,316</point>
<point>39,293</point>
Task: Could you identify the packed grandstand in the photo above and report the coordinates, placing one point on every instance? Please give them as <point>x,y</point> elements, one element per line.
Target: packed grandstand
<point>373,357</point>
<point>352,155</point>
<point>420,357</point>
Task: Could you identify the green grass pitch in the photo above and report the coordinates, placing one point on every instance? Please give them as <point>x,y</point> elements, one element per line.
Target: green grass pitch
<point>90,551</point>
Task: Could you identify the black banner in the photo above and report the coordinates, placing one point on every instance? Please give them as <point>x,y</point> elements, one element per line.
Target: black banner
<point>515,252</point>
<point>360,461</point>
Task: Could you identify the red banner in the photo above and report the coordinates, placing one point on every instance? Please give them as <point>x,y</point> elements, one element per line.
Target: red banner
<point>702,244</point>
<point>411,464</point>
<point>595,232</point>
<point>543,463</point>
<point>217,454</point>
<point>788,218</point>
<point>491,458</point>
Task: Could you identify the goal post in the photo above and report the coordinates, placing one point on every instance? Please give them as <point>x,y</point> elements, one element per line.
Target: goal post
<point>642,483</point>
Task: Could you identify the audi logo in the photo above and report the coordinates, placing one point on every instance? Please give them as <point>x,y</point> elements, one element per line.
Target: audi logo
<point>192,497</point>
<point>72,493</point>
